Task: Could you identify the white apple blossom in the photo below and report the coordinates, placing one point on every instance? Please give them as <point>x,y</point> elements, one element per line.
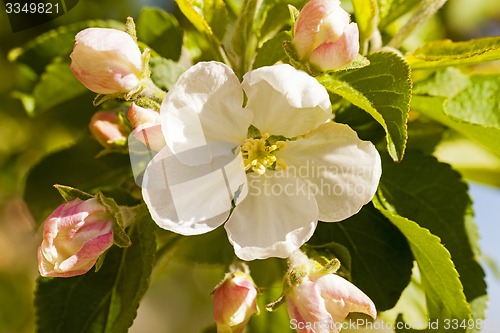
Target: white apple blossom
<point>269,168</point>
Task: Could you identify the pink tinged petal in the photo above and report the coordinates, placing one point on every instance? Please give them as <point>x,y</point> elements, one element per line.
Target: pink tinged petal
<point>337,54</point>
<point>106,61</point>
<point>192,199</point>
<point>150,135</point>
<point>342,170</point>
<point>235,301</point>
<point>139,116</point>
<point>306,305</point>
<point>204,106</point>
<point>285,101</point>
<point>87,256</point>
<point>75,235</point>
<point>318,22</point>
<point>107,127</point>
<point>147,127</point>
<point>278,215</point>
<point>342,297</point>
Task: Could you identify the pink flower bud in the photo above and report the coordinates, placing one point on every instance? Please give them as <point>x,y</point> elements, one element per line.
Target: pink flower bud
<point>320,301</point>
<point>108,129</point>
<point>74,236</point>
<point>147,127</point>
<point>324,36</point>
<point>106,61</point>
<point>234,302</point>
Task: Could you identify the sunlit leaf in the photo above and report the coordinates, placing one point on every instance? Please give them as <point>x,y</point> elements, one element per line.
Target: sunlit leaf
<point>448,53</point>
<point>382,89</point>
<point>434,196</point>
<point>442,287</point>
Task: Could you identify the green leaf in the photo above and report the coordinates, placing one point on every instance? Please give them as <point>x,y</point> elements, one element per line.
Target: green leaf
<point>472,160</point>
<point>268,276</point>
<point>425,135</point>
<point>478,103</point>
<point>434,107</point>
<point>381,260</point>
<point>366,12</point>
<point>215,245</point>
<point>444,53</point>
<point>102,302</point>
<point>244,41</point>
<point>271,51</point>
<point>165,72</point>
<point>383,89</point>
<point>274,16</point>
<point>56,86</point>
<point>160,30</point>
<point>446,83</point>
<point>391,10</point>
<point>277,321</point>
<point>479,307</point>
<point>40,51</point>
<point>120,237</point>
<point>69,193</point>
<point>75,166</point>
<point>330,251</point>
<point>440,282</point>
<point>208,16</point>
<point>468,105</point>
<point>433,195</point>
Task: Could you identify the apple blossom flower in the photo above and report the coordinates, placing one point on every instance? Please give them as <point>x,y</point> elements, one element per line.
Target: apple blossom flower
<point>235,301</point>
<point>74,236</point>
<point>106,61</point>
<point>323,35</point>
<point>147,126</point>
<point>271,168</point>
<point>108,129</point>
<point>318,301</point>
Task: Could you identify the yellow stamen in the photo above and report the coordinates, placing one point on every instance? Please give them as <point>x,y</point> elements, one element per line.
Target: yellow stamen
<point>258,154</point>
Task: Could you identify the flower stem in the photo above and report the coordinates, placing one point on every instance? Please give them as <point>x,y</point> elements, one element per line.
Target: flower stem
<point>427,9</point>
<point>152,92</point>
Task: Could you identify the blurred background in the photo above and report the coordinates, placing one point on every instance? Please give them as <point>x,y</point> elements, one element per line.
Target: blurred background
<point>175,291</point>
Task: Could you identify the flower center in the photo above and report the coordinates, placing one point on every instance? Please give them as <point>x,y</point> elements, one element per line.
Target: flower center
<point>258,154</point>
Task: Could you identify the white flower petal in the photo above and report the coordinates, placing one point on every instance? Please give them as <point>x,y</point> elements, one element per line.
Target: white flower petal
<point>205,105</point>
<point>192,200</point>
<point>285,101</point>
<point>278,215</point>
<point>343,297</point>
<point>342,170</point>
<point>306,305</point>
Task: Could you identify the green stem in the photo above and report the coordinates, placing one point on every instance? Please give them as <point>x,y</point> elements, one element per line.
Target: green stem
<point>152,92</point>
<point>427,9</point>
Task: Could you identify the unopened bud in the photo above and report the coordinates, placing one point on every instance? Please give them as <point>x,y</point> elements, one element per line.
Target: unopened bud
<point>324,37</point>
